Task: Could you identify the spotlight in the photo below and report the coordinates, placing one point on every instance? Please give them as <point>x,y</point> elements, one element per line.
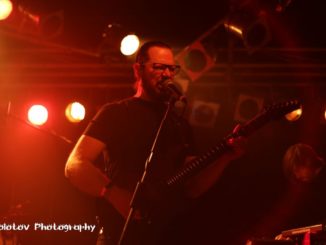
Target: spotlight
<point>204,113</point>
<point>200,56</point>
<point>38,115</point>
<point>129,45</point>
<point>5,9</point>
<point>194,60</point>
<point>75,112</point>
<point>247,107</point>
<point>116,41</point>
<point>253,30</point>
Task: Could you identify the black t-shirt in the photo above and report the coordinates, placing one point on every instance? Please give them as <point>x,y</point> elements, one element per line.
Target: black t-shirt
<point>128,129</point>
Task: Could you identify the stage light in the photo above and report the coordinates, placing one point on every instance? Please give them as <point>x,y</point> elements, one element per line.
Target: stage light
<point>116,43</point>
<point>195,60</point>
<point>26,21</point>
<point>52,25</point>
<point>204,113</point>
<point>252,29</point>
<point>5,9</point>
<point>75,112</point>
<point>201,55</point>
<point>247,107</point>
<point>38,115</point>
<point>129,45</point>
<point>294,115</point>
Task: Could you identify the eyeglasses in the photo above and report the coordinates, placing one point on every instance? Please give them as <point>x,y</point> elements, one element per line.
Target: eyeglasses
<point>173,69</point>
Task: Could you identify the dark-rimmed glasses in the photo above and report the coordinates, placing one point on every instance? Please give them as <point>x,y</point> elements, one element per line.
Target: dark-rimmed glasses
<point>159,67</point>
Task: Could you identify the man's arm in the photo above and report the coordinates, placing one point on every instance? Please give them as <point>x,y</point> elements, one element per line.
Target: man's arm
<point>83,174</point>
<point>80,169</point>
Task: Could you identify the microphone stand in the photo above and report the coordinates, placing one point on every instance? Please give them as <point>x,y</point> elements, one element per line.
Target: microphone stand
<point>140,184</point>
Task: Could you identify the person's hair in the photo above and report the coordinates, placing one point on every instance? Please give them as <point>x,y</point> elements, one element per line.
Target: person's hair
<point>142,54</point>
<point>300,155</point>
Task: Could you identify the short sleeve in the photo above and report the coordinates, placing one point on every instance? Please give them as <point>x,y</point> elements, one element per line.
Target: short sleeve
<point>104,124</point>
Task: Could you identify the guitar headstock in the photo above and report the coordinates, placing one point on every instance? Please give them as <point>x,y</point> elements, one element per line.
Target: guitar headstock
<point>277,110</point>
<point>270,113</point>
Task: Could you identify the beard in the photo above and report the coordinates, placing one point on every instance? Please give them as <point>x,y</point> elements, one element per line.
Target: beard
<point>154,91</point>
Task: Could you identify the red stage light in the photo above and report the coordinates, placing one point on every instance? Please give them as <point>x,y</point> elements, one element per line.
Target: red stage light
<point>5,9</point>
<point>75,112</point>
<point>38,115</point>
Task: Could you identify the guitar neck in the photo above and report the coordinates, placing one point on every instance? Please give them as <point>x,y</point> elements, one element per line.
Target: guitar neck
<point>197,164</point>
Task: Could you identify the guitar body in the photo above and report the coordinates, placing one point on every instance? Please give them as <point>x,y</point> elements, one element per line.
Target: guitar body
<point>157,223</point>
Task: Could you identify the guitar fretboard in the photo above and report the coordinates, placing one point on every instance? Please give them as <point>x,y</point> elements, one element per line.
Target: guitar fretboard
<point>271,113</point>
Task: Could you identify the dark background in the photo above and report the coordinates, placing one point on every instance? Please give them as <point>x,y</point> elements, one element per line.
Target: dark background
<point>178,22</point>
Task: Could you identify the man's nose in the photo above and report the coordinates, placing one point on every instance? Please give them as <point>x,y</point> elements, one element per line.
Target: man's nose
<point>167,73</point>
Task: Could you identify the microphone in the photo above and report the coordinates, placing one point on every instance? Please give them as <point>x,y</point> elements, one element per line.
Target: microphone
<point>173,90</point>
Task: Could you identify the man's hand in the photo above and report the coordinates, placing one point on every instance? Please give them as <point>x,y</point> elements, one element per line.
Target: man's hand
<point>120,199</point>
<point>237,144</point>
